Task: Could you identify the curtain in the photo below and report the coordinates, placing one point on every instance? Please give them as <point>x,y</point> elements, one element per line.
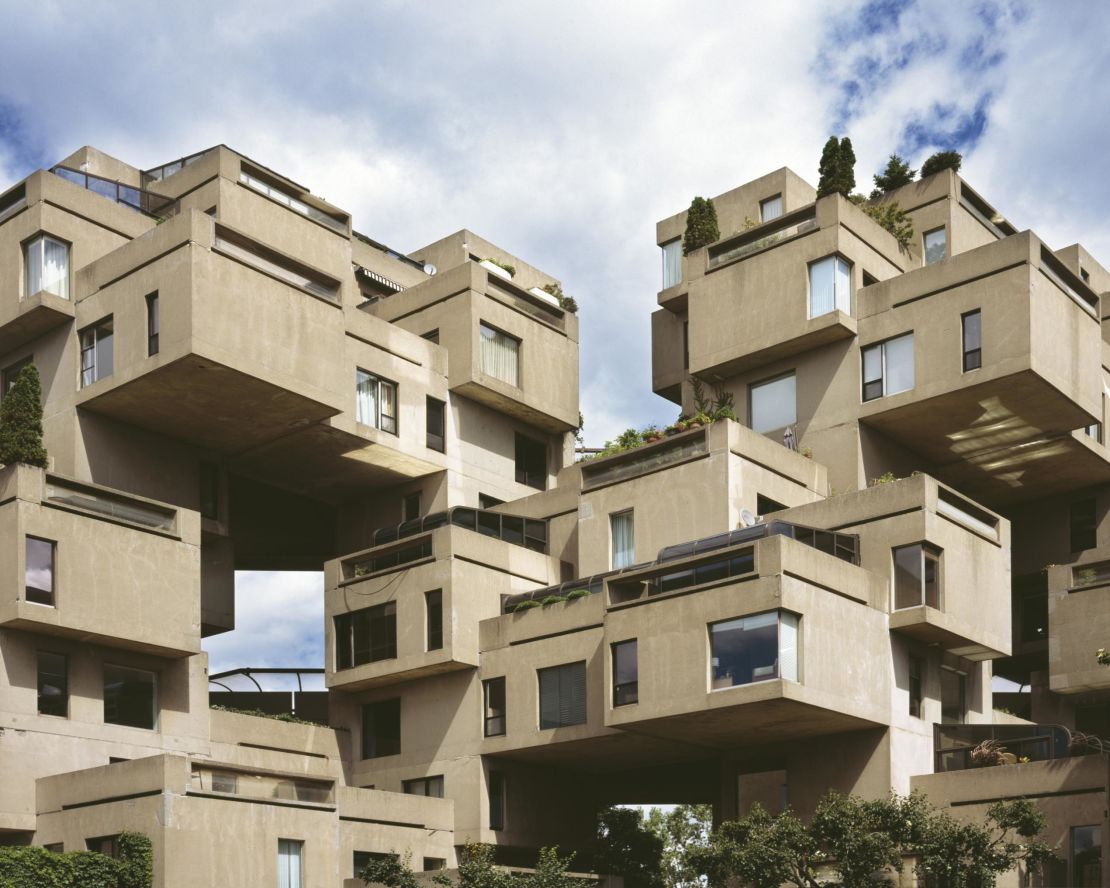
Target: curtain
<point>788,646</point>
<point>672,263</point>
<point>499,354</point>
<point>822,298</point>
<point>289,864</point>
<point>55,268</point>
<point>366,398</point>
<point>387,393</point>
<point>622,529</point>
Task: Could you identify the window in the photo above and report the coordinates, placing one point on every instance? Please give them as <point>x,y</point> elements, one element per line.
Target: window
<point>55,847</point>
<point>362,859</point>
<point>772,405</point>
<point>1085,275</point>
<point>376,402</point>
<point>764,505</point>
<point>381,728</point>
<point>888,367</point>
<point>485,501</point>
<point>496,800</point>
<point>152,323</point>
<point>106,845</point>
<point>289,863</point>
<point>96,352</point>
<point>10,374</point>
<point>129,697</point>
<point>916,672</point>
<point>1083,525</point>
<point>208,477</point>
<point>366,635</point>
<point>431,336</point>
<point>53,684</point>
<point>623,539</point>
<point>410,506</point>
<point>500,354</point>
<point>434,864</point>
<point>755,648</point>
<point>771,208</point>
<point>625,673</point>
<point>425,786</point>
<point>493,695</point>
<point>953,696</point>
<point>936,245</point>
<point>224,782</point>
<point>39,571</point>
<point>1094,430</point>
<point>433,603</point>
<point>917,576</point>
<point>563,695</point>
<point>1086,856</point>
<point>830,286</point>
<point>972,326</point>
<point>531,462</point>
<point>434,413</point>
<point>685,345</point>
<point>672,263</point>
<point>46,266</point>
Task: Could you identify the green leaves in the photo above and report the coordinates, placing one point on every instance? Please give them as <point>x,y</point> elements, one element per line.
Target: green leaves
<point>837,169</point>
<point>942,160</point>
<point>22,866</point>
<point>701,225</point>
<point>476,870</point>
<point>628,847</point>
<point>896,174</point>
<point>21,421</point>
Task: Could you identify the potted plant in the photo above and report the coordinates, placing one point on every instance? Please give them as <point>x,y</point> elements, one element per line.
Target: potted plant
<point>501,269</point>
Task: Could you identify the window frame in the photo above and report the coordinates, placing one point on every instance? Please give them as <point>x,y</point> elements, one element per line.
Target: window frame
<point>93,366</point>
<point>627,558</point>
<point>972,357</point>
<point>10,374</point>
<point>431,781</point>
<point>915,684</point>
<point>850,299</point>
<point>284,846</point>
<point>153,323</point>
<point>763,217</point>
<point>625,693</point>
<point>1097,828</point>
<point>675,278</point>
<point>435,409</point>
<point>497,801</point>
<point>377,649</point>
<point>769,381</point>
<point>67,284</point>
<point>39,672</point>
<point>961,686</point>
<point>382,421</point>
<point>884,376</point>
<point>498,333</point>
<point>488,719</point>
<point>52,592</point>
<point>928,554</point>
<point>524,475</point>
<point>155,709</point>
<point>433,634</point>
<point>780,673</point>
<point>925,245</point>
<point>372,709</point>
<point>567,679</point>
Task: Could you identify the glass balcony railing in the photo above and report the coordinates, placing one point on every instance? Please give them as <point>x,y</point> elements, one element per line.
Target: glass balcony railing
<point>297,206</point>
<point>590,585</point>
<point>118,507</point>
<point>262,786</point>
<point>960,747</point>
<point>531,533</point>
<point>151,204</point>
<point>1090,575</point>
<point>746,244</point>
<point>395,557</point>
<point>844,546</point>
<point>175,166</point>
<point>643,460</point>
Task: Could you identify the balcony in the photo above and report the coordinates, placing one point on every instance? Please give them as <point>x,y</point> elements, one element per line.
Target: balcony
<point>961,747</point>
<point>157,206</point>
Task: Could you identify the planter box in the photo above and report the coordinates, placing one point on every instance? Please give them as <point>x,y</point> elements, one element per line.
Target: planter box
<point>545,296</point>
<point>495,269</point>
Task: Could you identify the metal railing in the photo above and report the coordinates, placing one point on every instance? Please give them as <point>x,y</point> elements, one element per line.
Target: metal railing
<point>157,205</point>
<point>954,746</point>
<point>531,533</point>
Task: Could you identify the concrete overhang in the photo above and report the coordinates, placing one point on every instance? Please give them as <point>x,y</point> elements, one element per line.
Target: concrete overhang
<point>934,627</point>
<point>37,315</point>
<point>832,327</point>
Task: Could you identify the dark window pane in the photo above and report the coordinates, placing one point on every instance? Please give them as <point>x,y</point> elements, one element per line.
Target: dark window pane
<point>494,693</point>
<point>39,571</point>
<point>53,684</point>
<point>531,462</point>
<point>745,650</point>
<point>932,578</point>
<point>496,800</point>
<point>915,685</point>
<point>381,728</point>
<point>434,423</point>
<point>907,577</point>
<point>1083,525</point>
<point>952,697</point>
<point>129,697</point>
<point>625,673</point>
<point>563,695</point>
<point>434,603</point>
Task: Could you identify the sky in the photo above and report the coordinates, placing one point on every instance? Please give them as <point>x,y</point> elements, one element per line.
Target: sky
<point>562,132</point>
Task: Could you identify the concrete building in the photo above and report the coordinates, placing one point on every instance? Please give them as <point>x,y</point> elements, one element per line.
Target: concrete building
<point>235,378</point>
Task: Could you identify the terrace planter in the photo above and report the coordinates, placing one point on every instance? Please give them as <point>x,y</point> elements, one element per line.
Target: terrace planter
<point>495,269</point>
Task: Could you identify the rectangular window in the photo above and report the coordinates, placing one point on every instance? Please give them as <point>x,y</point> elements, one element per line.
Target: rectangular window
<point>563,695</point>
<point>1083,525</point>
<point>434,423</point>
<point>381,728</point>
<point>209,483</point>
<point>916,673</point>
<point>936,245</point>
<point>46,266</point>
<point>685,345</point>
<point>96,351</point>
<point>531,462</point>
<point>39,570</point>
<point>500,354</point>
<point>953,696</point>
<point>410,506</point>
<point>672,263</point>
<point>771,208</point>
<point>10,374</point>
<point>130,697</point>
<point>366,635</point>
<point>1094,430</point>
<point>106,845</point>
<point>755,648</point>
<point>425,786</point>
<point>362,859</point>
<point>376,402</point>
<point>53,684</point>
<point>433,603</point>
<point>289,863</point>
<point>493,695</point>
<point>152,323</point>
<point>1086,856</point>
<point>622,530</point>
<point>917,576</point>
<point>888,367</point>
<point>434,864</point>
<point>971,325</point>
<point>773,405</point>
<point>830,286</point>
<point>626,673</point>
<point>496,800</point>
<point>225,782</point>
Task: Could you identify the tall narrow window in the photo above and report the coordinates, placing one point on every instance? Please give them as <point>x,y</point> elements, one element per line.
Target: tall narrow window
<point>953,696</point>
<point>39,570</point>
<point>1083,525</point>
<point>773,404</point>
<point>290,873</point>
<point>531,462</point>
<point>916,675</point>
<point>434,416</point>
<point>755,648</point>
<point>209,490</point>
<point>626,673</point>
<point>563,695</point>
<point>685,345</point>
<point>972,327</point>
<point>10,374</point>
<point>936,245</point>
<point>410,506</point>
<point>381,728</point>
<point>623,534</point>
<point>496,800</point>
<point>376,402</point>
<point>424,786</point>
<point>97,351</point>
<point>888,367</point>
<point>493,697</point>
<point>500,354</point>
<point>1086,856</point>
<point>771,208</point>
<point>153,323</point>
<point>46,266</point>
<point>433,606</point>
<point>129,697</point>
<point>672,263</point>
<point>366,635</point>
<point>830,286</point>
<point>53,684</point>
<point>917,576</point>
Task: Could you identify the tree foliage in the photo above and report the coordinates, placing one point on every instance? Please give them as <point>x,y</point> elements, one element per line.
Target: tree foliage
<point>701,225</point>
<point>21,421</point>
<point>683,829</point>
<point>476,870</point>
<point>896,174</point>
<point>29,866</point>
<point>894,219</point>
<point>942,160</point>
<point>627,846</point>
<point>837,168</point>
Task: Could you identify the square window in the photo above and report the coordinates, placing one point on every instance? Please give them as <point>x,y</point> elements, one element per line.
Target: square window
<point>130,697</point>
<point>917,576</point>
<point>500,354</point>
<point>46,266</point>
<point>366,635</point>
<point>888,367</point>
<point>39,571</point>
<point>106,845</point>
<point>773,404</point>
<point>410,506</point>
<point>381,728</point>
<point>562,695</point>
<point>771,208</point>
<point>755,648</point>
<point>375,402</point>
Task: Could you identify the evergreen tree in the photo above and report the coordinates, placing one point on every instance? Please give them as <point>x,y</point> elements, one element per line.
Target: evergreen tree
<point>942,160</point>
<point>846,175</point>
<point>21,421</point>
<point>828,168</point>
<point>896,174</point>
<point>701,225</point>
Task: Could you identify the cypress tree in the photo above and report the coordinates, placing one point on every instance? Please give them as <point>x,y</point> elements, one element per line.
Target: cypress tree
<point>21,421</point>
<point>896,174</point>
<point>846,168</point>
<point>701,225</point>
<point>942,160</point>
<point>828,168</point>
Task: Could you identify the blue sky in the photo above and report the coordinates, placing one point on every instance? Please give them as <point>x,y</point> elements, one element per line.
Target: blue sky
<point>564,131</point>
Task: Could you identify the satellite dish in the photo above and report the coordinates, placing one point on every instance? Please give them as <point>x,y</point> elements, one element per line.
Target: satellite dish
<point>429,269</point>
<point>748,519</point>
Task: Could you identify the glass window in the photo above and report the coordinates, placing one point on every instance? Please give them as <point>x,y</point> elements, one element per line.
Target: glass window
<point>953,696</point>
<point>755,648</point>
<point>275,265</point>
<point>106,845</point>
<point>46,265</point>
<point>773,404</point>
<point>916,673</point>
<point>410,506</point>
<point>434,423</point>
<point>39,571</point>
<point>434,864</point>
<point>381,728</point>
<point>493,693</point>
<point>289,863</point>
<point>1086,856</point>
<point>936,245</point>
<point>626,673</point>
<point>10,374</point>
<point>830,286</point>
<point>623,538</point>
<point>376,402</point>
<point>1094,430</point>
<point>96,351</point>
<point>425,786</point>
<point>563,695</point>
<point>531,462</point>
<point>972,328</point>
<point>672,263</point>
<point>433,603</point>
<point>129,697</point>
<point>53,684</point>
<point>916,576</point>
<point>152,323</point>
<point>771,208</point>
<point>888,367</point>
<point>500,354</point>
<point>496,800</point>
<point>1083,525</point>
<point>366,635</point>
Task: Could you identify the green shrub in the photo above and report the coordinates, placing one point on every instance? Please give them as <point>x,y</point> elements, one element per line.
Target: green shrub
<point>701,225</point>
<point>29,866</point>
<point>136,858</point>
<point>511,269</point>
<point>837,168</point>
<point>942,160</point>
<point>21,421</point>
<point>553,599</point>
<point>896,174</point>
<point>894,219</point>
<point>527,604</point>
<point>566,303</point>
<point>32,866</point>
<point>93,870</point>
<point>578,593</point>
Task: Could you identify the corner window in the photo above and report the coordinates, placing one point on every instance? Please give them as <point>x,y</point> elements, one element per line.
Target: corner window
<point>153,323</point>
<point>434,416</point>
<point>496,800</point>
<point>1083,525</point>
<point>622,532</point>
<point>1086,856</point>
<point>53,676</point>
<point>917,576</point>
<point>562,695</point>
<point>381,728</point>
<point>425,786</point>
<point>771,208</point>
<point>38,570</point>
<point>971,326</point>
<point>830,286</point>
<point>773,404</point>
<point>531,462</point>
<point>626,673</point>
<point>366,635</point>
<point>672,263</point>
<point>500,354</point>
<point>290,853</point>
<point>916,683</point>
<point>936,245</point>
<point>433,607</point>
<point>10,374</point>
<point>493,698</point>
<point>376,402</point>
<point>953,696</point>
<point>1094,431</point>
<point>97,351</point>
<point>129,697</point>
<point>46,266</point>
<point>888,367</point>
<point>755,648</point>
